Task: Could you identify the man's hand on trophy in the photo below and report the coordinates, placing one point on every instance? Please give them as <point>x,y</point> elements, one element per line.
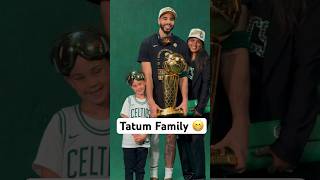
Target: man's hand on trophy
<point>237,140</point>
<point>154,108</point>
<point>278,164</point>
<point>184,107</point>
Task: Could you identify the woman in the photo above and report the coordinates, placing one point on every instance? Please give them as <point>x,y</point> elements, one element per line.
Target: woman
<point>199,71</point>
<point>191,147</point>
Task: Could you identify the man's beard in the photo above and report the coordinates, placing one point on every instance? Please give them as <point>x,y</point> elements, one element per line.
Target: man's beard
<point>166,32</point>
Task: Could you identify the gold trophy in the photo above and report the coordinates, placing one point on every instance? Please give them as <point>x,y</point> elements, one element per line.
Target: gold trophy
<point>226,158</point>
<point>173,65</point>
<point>225,16</point>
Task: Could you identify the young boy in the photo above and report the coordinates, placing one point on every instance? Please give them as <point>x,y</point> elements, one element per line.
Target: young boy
<point>75,143</point>
<point>135,147</point>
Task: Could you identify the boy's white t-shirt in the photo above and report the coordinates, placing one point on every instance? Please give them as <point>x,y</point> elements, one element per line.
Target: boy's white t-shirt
<point>135,108</point>
<point>74,145</point>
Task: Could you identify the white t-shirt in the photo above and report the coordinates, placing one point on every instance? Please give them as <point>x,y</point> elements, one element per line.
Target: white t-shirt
<point>75,145</point>
<point>135,108</point>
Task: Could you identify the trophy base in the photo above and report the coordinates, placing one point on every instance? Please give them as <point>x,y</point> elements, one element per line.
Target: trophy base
<point>170,112</point>
<point>226,159</point>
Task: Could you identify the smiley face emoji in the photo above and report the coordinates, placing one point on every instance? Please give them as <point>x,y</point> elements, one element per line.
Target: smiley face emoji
<point>197,125</point>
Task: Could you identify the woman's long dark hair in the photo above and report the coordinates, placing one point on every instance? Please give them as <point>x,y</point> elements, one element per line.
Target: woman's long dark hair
<point>201,58</point>
<point>289,13</point>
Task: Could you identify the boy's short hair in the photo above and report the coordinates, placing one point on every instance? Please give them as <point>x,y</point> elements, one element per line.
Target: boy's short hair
<point>134,75</point>
<point>90,45</point>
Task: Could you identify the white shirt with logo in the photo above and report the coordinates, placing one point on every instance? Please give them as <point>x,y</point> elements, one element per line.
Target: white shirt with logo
<point>135,108</point>
<point>75,145</point>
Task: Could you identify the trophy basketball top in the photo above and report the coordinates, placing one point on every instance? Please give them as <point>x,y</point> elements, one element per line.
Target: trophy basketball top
<point>174,64</point>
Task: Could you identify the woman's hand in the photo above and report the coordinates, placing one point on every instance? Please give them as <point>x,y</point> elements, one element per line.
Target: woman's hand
<point>278,164</point>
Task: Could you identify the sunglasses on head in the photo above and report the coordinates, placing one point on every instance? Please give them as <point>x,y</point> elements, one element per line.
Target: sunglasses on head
<point>89,45</point>
<point>134,75</point>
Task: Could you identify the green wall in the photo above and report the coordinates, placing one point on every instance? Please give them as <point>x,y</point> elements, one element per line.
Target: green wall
<point>130,24</point>
<point>30,90</point>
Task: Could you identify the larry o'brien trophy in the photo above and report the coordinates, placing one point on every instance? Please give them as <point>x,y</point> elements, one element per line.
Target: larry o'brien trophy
<point>225,16</point>
<point>173,65</point>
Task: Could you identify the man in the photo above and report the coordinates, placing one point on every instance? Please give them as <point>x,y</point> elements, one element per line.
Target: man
<point>151,56</point>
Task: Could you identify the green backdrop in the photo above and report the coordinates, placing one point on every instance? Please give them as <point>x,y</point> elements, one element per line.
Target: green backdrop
<point>30,90</point>
<point>130,24</point>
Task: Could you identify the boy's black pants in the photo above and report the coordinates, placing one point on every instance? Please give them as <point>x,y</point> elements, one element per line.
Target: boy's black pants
<point>134,162</point>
